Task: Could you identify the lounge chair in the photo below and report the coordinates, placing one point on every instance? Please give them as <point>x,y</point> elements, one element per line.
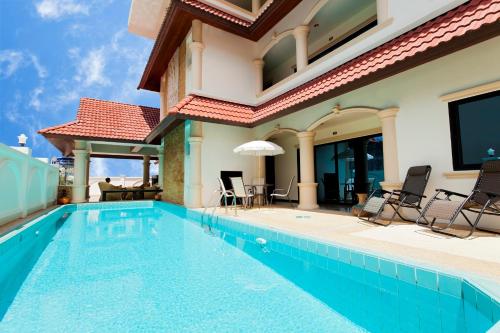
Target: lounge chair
<point>484,199</point>
<point>104,186</point>
<point>410,196</point>
<point>282,193</point>
<point>242,192</point>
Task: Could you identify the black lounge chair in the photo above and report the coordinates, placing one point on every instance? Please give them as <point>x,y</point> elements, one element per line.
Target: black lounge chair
<point>410,196</point>
<point>484,199</point>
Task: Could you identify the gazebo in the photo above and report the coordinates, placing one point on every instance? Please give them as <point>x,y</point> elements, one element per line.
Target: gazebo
<point>106,129</point>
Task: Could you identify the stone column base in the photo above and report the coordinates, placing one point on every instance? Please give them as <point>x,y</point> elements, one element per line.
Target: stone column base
<point>307,198</point>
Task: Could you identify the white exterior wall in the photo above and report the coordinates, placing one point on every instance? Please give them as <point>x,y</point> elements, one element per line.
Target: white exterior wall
<point>422,123</point>
<point>228,69</point>
<point>217,155</point>
<point>403,15</point>
<point>28,184</point>
<point>285,166</point>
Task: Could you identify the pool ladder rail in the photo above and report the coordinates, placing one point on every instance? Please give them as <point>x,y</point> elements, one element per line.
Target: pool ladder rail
<point>215,202</point>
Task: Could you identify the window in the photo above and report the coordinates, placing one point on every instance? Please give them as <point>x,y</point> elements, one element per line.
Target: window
<point>475,130</point>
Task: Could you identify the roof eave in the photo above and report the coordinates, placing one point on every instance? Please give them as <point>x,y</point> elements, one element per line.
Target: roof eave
<point>177,24</point>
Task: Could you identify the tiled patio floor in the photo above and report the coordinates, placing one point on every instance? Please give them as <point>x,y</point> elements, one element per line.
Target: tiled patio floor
<point>407,242</point>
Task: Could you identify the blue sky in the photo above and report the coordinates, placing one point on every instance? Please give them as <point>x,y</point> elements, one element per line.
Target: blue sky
<point>52,52</point>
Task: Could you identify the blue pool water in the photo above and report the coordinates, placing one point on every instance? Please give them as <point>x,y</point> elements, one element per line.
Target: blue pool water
<point>149,269</point>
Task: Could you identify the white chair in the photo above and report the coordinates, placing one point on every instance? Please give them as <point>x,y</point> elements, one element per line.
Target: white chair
<point>282,193</point>
<point>226,194</point>
<point>240,191</point>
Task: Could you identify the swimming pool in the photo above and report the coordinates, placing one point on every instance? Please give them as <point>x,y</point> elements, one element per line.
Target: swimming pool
<point>151,266</point>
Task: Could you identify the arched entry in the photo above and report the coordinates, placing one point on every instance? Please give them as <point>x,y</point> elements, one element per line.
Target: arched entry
<point>278,170</point>
<point>348,155</point>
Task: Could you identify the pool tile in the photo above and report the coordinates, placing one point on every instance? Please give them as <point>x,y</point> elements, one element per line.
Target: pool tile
<point>357,259</point>
<point>450,323</point>
<point>333,266</point>
<point>406,273</point>
<point>450,285</point>
<point>451,305</point>
<point>372,263</point>
<point>323,250</point>
<point>496,311</point>
<point>426,279</point>
<point>333,252</point>
<point>345,255</point>
<point>387,268</point>
<point>484,304</point>
<point>389,284</point>
<point>372,279</point>
<point>469,293</point>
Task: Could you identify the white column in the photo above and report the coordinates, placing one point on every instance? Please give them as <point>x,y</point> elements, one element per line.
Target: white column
<point>145,169</point>
<point>79,181</point>
<point>300,33</point>
<point>195,187</point>
<point>255,6</point>
<point>259,75</point>
<point>382,10</point>
<point>391,162</point>
<point>197,54</point>
<point>307,186</point>
<point>161,155</point>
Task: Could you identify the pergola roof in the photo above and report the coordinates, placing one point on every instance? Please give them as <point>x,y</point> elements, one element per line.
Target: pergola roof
<point>106,121</point>
<point>461,27</point>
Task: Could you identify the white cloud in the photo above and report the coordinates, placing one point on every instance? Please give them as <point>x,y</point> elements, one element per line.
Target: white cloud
<point>55,9</point>
<point>41,70</point>
<point>35,98</point>
<point>11,112</point>
<point>10,62</point>
<point>99,167</point>
<point>91,69</point>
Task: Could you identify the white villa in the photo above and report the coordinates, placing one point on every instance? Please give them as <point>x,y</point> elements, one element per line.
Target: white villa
<point>356,92</point>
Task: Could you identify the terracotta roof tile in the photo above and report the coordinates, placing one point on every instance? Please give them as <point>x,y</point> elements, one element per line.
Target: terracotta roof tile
<point>109,120</point>
<point>217,12</point>
<point>465,18</point>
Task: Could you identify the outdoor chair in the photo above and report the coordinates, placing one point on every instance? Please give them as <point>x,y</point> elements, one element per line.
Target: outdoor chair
<point>484,199</point>
<point>225,194</point>
<point>282,193</point>
<point>410,196</point>
<point>242,192</point>
<point>104,186</point>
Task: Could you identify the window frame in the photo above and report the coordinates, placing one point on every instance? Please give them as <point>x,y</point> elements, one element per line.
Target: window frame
<point>455,135</point>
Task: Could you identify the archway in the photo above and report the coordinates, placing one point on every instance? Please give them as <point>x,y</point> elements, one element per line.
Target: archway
<point>279,170</point>
<point>279,59</point>
<point>348,155</point>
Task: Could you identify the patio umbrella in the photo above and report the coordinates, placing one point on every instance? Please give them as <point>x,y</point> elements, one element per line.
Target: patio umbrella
<point>259,148</point>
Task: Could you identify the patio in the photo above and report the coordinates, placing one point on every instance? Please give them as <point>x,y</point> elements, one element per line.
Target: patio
<point>406,242</point>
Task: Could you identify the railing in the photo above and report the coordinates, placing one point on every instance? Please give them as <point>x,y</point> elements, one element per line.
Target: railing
<point>26,184</point>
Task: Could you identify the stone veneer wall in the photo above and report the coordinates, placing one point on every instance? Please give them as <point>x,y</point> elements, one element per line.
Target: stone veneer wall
<point>173,166</point>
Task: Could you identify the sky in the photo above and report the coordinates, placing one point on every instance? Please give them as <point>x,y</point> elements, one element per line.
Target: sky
<point>52,53</point>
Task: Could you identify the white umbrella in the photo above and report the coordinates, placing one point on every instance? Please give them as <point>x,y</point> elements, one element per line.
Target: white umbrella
<point>259,148</point>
